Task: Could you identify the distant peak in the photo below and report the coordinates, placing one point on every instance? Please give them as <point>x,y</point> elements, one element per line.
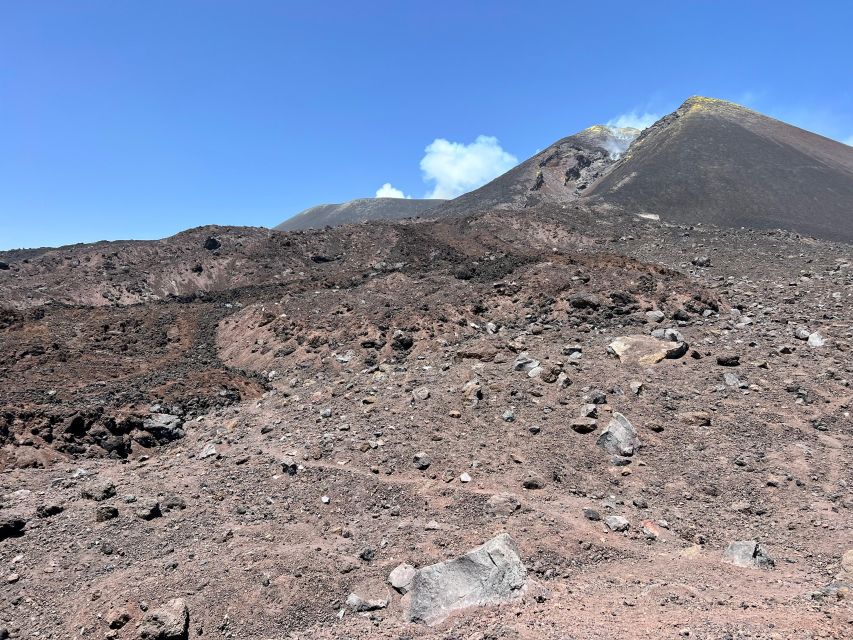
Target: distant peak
<point>695,104</point>
<point>606,129</point>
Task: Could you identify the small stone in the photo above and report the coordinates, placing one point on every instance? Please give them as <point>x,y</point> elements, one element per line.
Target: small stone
<point>585,301</point>
<point>696,418</point>
<point>360,605</point>
<point>117,619</point>
<point>801,333</point>
<point>208,451</point>
<point>401,577</point>
<point>620,437</point>
<point>524,363</point>
<point>508,416</point>
<point>503,504</point>
<point>597,396</point>
<point>533,482</point>
<point>591,514</point>
<point>48,510</point>
<point>847,561</point>
<point>588,410</point>
<point>465,478</point>
<point>105,512</point>
<point>148,510</point>
<point>731,380</point>
<point>422,460</point>
<point>289,466</point>
<point>655,316</point>
<point>816,340</point>
<point>488,575</point>
<point>583,425</point>
<point>617,523</point>
<point>420,394</point>
<point>98,492</point>
<point>325,500</point>
<point>645,350</point>
<point>728,360</point>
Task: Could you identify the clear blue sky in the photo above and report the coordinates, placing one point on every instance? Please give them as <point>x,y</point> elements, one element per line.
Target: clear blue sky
<point>136,119</point>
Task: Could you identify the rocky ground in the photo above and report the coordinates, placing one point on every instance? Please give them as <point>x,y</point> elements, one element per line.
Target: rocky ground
<point>250,449</point>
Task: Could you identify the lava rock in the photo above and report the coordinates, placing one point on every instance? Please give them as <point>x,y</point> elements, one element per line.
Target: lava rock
<point>401,577</point>
<point>105,512</point>
<point>585,301</point>
<point>490,574</point>
<point>149,509</point>
<point>165,427</point>
<point>620,437</point>
<point>99,492</point>
<point>420,394</point>
<point>617,523</point>
<point>503,504</point>
<point>11,527</point>
<point>583,425</point>
<point>748,553</point>
<point>359,605</point>
<point>170,622</point>
<point>422,460</point>
<point>48,510</point>
<point>533,482</point>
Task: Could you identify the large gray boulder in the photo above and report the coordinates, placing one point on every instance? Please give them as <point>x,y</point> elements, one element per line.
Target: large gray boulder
<point>747,553</point>
<point>619,438</point>
<point>490,574</point>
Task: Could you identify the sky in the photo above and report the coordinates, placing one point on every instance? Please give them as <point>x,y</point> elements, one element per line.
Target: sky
<point>138,119</point>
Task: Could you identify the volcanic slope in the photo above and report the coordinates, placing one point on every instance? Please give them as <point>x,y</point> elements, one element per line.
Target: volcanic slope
<point>390,411</point>
<point>715,162</point>
<point>560,173</point>
<point>359,210</point>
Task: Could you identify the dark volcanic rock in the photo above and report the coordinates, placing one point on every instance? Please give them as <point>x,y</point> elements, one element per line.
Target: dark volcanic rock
<point>11,526</point>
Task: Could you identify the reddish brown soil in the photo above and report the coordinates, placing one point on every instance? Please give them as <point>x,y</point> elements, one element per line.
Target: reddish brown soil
<point>325,335</point>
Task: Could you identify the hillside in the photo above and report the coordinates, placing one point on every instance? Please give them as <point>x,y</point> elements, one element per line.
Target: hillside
<point>356,211</point>
<point>567,169</point>
<point>251,434</point>
<point>714,162</point>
